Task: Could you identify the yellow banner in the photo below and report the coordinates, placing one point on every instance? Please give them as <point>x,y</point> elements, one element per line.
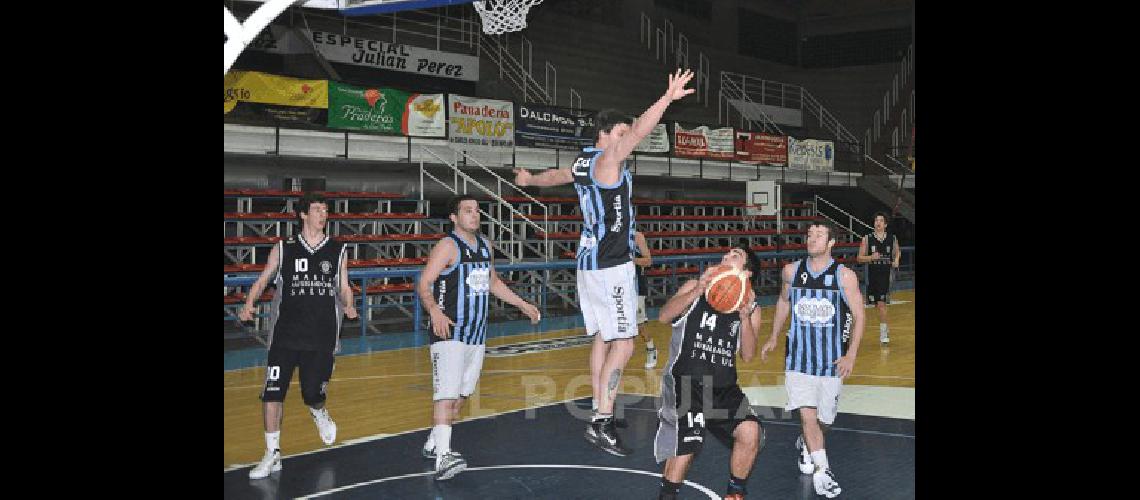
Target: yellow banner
<point>253,86</point>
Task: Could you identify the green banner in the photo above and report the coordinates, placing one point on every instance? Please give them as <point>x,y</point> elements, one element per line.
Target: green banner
<point>375,109</point>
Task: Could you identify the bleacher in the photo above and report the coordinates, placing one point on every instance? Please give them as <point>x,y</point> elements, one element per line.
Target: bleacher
<point>402,239</point>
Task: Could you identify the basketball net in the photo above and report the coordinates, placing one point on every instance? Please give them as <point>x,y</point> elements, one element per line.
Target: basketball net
<point>501,16</point>
<point>751,213</point>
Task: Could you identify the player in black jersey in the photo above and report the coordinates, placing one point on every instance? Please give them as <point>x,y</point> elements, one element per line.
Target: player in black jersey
<point>643,258</point>
<point>311,274</point>
<point>455,288</point>
<point>699,389</point>
<point>606,276</point>
<point>880,251</point>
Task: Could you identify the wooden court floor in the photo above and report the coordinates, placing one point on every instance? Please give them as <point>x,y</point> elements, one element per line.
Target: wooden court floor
<point>387,392</point>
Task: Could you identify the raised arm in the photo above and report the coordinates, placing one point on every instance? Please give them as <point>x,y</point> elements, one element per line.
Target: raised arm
<point>685,296</point>
<point>552,177</point>
<point>610,160</point>
<point>749,327</point>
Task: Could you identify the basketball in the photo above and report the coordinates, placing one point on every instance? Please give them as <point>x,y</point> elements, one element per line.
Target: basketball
<point>727,289</point>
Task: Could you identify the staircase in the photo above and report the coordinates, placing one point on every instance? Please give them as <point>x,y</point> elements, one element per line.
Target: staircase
<point>508,226</point>
<point>880,182</point>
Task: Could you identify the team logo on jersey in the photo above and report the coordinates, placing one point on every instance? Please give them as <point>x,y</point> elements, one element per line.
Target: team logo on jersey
<point>617,210</point>
<point>479,281</point>
<point>484,252</point>
<point>326,266</point>
<point>734,329</point>
<point>468,252</point>
<point>803,278</point>
<point>847,327</point>
<point>815,310</point>
<point>827,280</point>
<point>581,167</point>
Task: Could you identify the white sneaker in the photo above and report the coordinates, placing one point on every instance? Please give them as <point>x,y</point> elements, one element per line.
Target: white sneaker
<point>271,462</point>
<point>883,336</point>
<point>825,484</point>
<point>448,465</point>
<point>650,357</point>
<point>805,463</point>
<point>325,426</point>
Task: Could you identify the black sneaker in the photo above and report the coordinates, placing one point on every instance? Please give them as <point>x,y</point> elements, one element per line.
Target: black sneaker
<point>603,435</point>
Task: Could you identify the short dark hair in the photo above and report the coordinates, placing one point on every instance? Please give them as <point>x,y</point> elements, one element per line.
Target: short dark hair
<point>831,234</point>
<point>751,261</point>
<point>607,118</point>
<point>307,199</point>
<point>886,219</point>
<point>453,203</point>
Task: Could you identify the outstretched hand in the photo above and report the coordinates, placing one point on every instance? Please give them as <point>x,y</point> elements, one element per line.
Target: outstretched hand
<point>677,82</point>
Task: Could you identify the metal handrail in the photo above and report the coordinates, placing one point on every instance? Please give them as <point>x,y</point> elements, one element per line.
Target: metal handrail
<point>545,228</point>
<point>850,218</point>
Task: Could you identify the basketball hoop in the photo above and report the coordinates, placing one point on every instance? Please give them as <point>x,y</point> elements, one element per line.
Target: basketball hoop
<point>501,16</point>
<point>751,213</point>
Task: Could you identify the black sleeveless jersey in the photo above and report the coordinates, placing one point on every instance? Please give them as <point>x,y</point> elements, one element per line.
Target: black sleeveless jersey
<point>705,343</point>
<point>306,311</point>
<point>885,248</point>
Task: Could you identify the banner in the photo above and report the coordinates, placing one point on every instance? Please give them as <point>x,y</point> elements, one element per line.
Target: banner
<point>385,110</point>
<point>703,142</point>
<point>480,123</point>
<point>541,126</point>
<point>656,142</point>
<point>425,116</point>
<point>811,154</point>
<point>394,56</point>
<point>764,149</point>
<point>261,97</point>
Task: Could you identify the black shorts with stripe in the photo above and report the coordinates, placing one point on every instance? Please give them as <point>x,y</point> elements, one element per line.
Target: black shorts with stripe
<point>685,419</point>
<point>316,369</point>
<point>878,284</point>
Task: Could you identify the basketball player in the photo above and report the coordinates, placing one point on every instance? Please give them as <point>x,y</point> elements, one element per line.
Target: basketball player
<point>880,250</point>
<point>606,276</point>
<point>311,275</point>
<point>642,258</point>
<point>454,288</point>
<point>827,325</point>
<point>699,389</point>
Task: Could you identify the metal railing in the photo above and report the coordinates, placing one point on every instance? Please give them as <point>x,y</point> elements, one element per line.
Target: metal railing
<point>506,230</point>
<point>851,219</point>
<point>672,282</point>
<point>729,90</point>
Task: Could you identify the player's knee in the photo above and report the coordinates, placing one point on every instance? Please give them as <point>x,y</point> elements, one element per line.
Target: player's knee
<point>747,435</point>
<point>313,398</point>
